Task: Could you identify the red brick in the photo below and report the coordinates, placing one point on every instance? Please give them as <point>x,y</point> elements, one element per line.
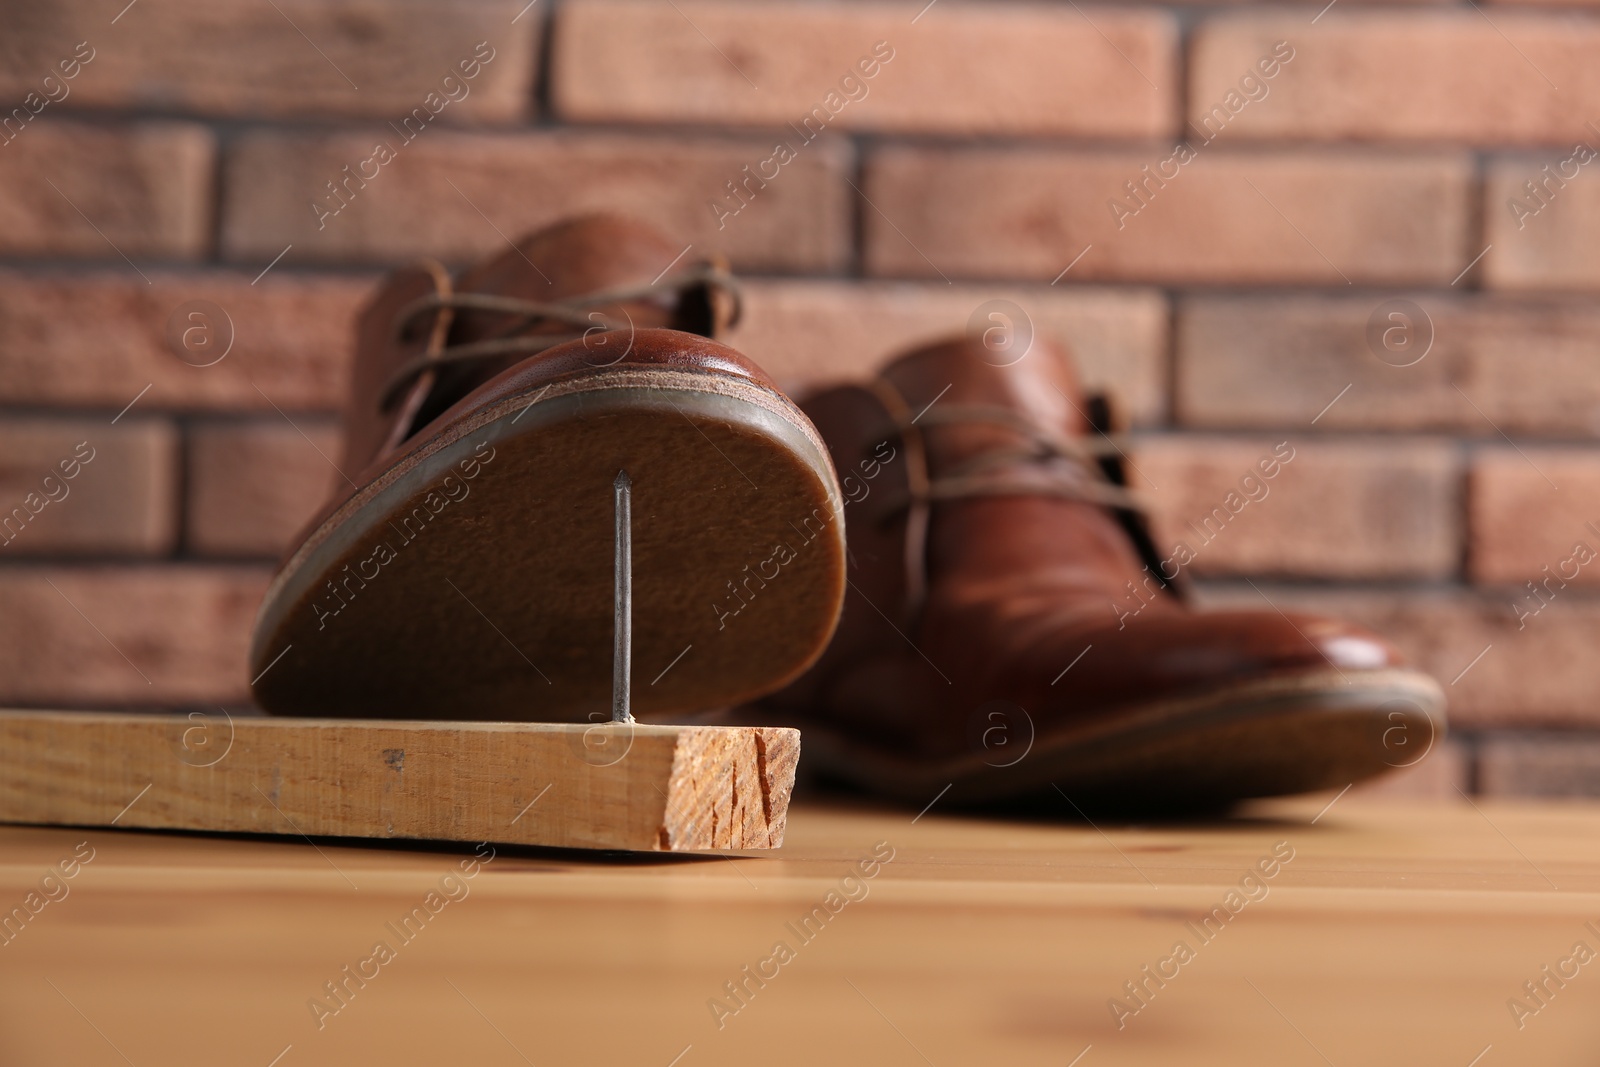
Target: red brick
<point>1548,242</point>
<point>1029,213</point>
<point>126,636</point>
<point>1336,509</point>
<point>1540,765</point>
<point>253,485</point>
<point>428,199</point>
<point>1530,510</point>
<point>1045,70</point>
<point>292,335</point>
<point>1453,76</point>
<point>1544,674</point>
<point>257,57</point>
<point>121,498</point>
<point>1351,3</point>
<point>1520,365</point>
<point>137,190</point>
<point>811,333</point>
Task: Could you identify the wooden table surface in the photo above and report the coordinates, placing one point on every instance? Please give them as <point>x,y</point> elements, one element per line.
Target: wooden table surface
<point>1397,933</point>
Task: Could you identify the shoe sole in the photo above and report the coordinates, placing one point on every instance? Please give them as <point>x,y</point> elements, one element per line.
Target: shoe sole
<point>1297,734</point>
<point>473,580</point>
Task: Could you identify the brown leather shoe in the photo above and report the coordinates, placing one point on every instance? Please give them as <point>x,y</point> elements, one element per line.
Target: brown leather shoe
<point>1009,626</point>
<point>465,570</point>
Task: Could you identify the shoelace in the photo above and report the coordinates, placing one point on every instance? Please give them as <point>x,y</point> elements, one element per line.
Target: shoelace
<point>576,316</point>
<point>999,471</point>
<point>1050,464</point>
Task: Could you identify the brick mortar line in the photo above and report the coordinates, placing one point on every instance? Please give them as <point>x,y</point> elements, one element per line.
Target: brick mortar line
<point>861,144</point>
<point>249,566</point>
<point>1465,456</point>
<point>1213,584</point>
<point>233,126</point>
<point>201,417</point>
<point>542,99</point>
<point>189,419</point>
<point>52,269</point>
<point>1397,588</point>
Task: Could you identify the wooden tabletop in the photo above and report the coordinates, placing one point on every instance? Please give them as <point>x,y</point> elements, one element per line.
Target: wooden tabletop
<point>1379,933</point>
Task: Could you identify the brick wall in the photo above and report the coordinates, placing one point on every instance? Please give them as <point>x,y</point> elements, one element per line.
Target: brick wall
<point>1339,166</point>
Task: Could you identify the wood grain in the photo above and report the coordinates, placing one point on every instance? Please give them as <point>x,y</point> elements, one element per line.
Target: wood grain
<point>1396,935</point>
<point>637,786</point>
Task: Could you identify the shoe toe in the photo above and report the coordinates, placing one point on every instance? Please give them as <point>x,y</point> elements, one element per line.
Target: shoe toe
<point>1179,655</point>
<point>1237,643</point>
<point>1345,645</point>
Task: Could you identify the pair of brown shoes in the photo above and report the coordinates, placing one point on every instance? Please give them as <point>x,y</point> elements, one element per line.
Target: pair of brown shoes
<point>976,630</point>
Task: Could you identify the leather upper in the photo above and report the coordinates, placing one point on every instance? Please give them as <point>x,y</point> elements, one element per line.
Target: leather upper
<point>587,254</point>
<point>1017,583</point>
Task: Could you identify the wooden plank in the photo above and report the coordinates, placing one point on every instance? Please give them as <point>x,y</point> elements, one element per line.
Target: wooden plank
<point>610,786</point>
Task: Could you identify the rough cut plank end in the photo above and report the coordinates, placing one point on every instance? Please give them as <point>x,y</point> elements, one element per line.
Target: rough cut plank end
<point>730,788</point>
